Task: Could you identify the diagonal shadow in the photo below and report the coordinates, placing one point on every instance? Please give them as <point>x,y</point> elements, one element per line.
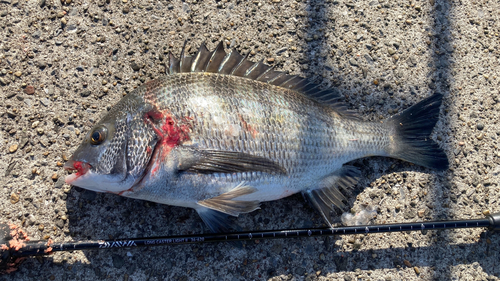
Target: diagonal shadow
<point>441,50</point>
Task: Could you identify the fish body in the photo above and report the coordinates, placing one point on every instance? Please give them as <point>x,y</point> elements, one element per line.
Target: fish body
<point>221,134</point>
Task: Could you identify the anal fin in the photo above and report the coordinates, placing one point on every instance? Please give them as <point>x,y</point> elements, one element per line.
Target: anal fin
<point>224,203</point>
<point>329,194</point>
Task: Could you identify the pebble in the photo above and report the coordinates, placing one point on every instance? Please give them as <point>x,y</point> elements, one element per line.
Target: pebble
<point>29,90</point>
<point>421,213</point>
<point>13,148</point>
<point>60,223</point>
<point>45,101</point>
<point>135,66</point>
<point>54,176</point>
<point>41,227</point>
<point>391,51</point>
<point>18,73</point>
<point>85,94</point>
<point>14,198</point>
<point>41,64</point>
<point>300,271</point>
<point>353,62</point>
<point>59,183</point>
<point>270,60</point>
<point>480,126</point>
<point>64,21</point>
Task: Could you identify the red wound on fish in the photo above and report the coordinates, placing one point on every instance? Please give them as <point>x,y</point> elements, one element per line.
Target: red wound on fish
<point>170,133</point>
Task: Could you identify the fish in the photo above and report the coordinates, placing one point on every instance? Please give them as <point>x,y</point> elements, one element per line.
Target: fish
<point>220,134</point>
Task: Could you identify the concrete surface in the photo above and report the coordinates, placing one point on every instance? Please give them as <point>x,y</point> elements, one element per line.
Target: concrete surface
<point>62,65</point>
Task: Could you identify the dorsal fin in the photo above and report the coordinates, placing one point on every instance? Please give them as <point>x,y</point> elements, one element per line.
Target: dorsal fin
<point>232,63</point>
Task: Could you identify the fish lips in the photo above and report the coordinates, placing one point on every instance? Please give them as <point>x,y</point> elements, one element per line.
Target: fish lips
<point>86,178</point>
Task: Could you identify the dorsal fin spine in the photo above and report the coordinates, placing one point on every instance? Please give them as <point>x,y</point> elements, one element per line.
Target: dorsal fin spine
<point>232,63</point>
<point>240,63</point>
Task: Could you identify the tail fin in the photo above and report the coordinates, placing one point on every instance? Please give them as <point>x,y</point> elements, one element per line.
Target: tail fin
<point>412,141</point>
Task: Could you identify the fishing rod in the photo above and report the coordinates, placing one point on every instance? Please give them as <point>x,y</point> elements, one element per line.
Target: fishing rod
<point>13,250</point>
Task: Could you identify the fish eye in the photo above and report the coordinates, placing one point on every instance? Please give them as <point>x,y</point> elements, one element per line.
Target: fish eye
<point>98,136</point>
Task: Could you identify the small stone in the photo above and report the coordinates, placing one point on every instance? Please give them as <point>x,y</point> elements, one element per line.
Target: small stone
<point>41,227</point>
<point>29,90</point>
<point>486,212</point>
<point>353,62</point>
<point>480,126</point>
<point>417,271</point>
<point>407,263</point>
<point>13,148</point>
<point>64,21</point>
<point>421,213</point>
<point>480,136</point>
<point>391,51</point>
<point>135,66</point>
<point>18,73</point>
<point>45,101</point>
<point>54,176</point>
<point>14,198</point>
<point>270,60</point>
<point>461,143</point>
<point>85,94</point>
<point>35,124</point>
<point>126,9</point>
<point>60,182</point>
<point>46,237</point>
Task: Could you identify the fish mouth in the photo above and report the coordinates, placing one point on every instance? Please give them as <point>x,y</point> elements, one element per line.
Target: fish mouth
<point>80,167</point>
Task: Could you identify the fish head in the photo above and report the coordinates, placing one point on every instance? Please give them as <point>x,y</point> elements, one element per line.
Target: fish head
<point>114,154</point>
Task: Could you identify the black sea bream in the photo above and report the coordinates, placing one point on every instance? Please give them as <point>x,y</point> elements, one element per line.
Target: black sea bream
<point>221,134</point>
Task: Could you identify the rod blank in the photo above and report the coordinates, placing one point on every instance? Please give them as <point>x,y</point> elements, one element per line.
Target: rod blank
<point>12,254</point>
<point>42,248</point>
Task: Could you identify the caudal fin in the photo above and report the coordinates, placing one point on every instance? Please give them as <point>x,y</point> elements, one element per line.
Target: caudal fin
<point>412,141</point>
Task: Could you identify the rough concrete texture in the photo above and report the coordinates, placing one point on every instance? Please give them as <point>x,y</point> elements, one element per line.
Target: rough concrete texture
<point>62,65</point>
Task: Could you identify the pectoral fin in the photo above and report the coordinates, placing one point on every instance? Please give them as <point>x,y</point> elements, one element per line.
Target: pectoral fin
<point>224,203</point>
<point>215,161</point>
<point>328,194</point>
